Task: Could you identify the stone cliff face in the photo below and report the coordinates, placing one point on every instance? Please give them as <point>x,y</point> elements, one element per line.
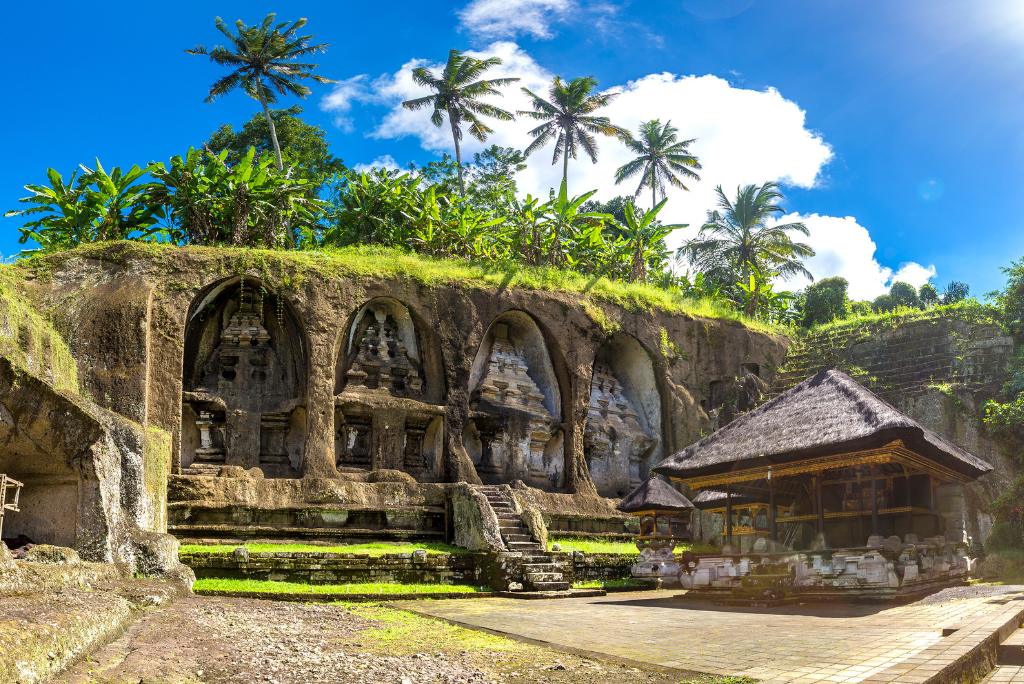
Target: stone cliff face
<point>92,479</point>
<point>939,369</point>
<point>296,367</point>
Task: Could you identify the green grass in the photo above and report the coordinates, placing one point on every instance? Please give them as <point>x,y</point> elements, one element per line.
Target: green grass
<point>284,268</point>
<point>969,310</point>
<point>371,548</point>
<point>588,545</point>
<point>609,584</point>
<point>272,587</point>
<point>615,546</point>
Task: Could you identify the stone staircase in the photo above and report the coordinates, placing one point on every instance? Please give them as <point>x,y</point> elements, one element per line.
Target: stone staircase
<point>540,572</point>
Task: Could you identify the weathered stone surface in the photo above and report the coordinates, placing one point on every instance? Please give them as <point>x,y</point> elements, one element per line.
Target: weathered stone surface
<point>476,525</point>
<point>58,555</point>
<point>450,324</point>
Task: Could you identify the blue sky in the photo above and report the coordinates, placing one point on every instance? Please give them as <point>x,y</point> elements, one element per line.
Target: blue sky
<point>894,126</point>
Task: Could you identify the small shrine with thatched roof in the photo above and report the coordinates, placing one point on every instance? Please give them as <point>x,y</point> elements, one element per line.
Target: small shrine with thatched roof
<point>829,469</point>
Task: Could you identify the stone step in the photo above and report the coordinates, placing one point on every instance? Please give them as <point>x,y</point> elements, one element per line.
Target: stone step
<point>507,516</point>
<point>550,586</point>
<point>535,578</point>
<point>523,546</point>
<point>1011,651</point>
<point>541,567</point>
<point>517,537</point>
<point>532,556</point>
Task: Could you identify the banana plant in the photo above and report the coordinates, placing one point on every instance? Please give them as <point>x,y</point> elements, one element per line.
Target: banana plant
<point>643,239</point>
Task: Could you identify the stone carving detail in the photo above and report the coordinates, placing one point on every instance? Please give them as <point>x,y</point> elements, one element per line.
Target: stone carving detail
<point>615,441</point>
<point>518,430</point>
<point>245,396</point>
<point>507,382</point>
<point>382,360</point>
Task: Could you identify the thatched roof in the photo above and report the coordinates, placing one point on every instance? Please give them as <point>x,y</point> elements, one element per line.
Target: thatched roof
<point>654,495</point>
<point>826,414</point>
<point>714,498</point>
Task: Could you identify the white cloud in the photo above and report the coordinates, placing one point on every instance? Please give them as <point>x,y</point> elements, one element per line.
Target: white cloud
<point>383,162</point>
<point>742,136</point>
<point>844,248</point>
<point>341,98</point>
<point>509,18</point>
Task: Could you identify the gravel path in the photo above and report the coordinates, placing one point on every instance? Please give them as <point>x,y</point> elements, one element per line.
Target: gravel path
<point>230,640</point>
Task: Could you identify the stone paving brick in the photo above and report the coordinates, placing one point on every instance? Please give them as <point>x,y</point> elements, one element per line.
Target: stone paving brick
<point>829,642</point>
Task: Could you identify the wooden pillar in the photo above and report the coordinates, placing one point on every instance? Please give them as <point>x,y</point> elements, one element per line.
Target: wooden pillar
<point>728,514</point>
<point>910,507</point>
<point>874,501</point>
<point>771,508</point>
<point>819,503</point>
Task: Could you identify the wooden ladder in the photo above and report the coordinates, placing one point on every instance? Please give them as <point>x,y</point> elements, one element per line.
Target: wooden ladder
<point>8,483</point>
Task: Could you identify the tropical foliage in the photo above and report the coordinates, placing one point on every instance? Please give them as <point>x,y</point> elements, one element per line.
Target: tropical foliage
<point>263,62</point>
<point>661,158</point>
<point>568,120</point>
<point>91,207</point>
<point>304,147</point>
<point>741,241</point>
<point>457,96</point>
<point>210,202</point>
<point>274,183</point>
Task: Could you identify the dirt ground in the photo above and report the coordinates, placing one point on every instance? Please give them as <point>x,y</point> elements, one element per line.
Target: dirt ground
<point>230,640</point>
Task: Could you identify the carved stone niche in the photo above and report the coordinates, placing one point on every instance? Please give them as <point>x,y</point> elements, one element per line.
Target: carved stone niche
<point>382,416</point>
<point>515,433</point>
<point>622,438</point>
<point>244,383</point>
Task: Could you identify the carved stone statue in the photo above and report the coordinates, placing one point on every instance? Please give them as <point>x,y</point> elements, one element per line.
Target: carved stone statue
<point>615,441</point>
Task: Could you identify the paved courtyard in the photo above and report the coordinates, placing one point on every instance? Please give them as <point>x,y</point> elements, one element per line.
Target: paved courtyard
<point>828,642</point>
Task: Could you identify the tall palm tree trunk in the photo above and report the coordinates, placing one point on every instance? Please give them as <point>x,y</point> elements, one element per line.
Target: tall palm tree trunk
<point>654,192</point>
<point>273,134</point>
<point>458,151</point>
<point>565,169</point>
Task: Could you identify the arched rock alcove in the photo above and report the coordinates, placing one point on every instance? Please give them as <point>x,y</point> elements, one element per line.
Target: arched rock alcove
<point>389,391</point>
<point>623,436</point>
<point>244,382</point>
<point>516,406</point>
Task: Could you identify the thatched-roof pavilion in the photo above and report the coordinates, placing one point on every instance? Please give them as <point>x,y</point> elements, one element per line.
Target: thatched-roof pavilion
<point>654,495</point>
<point>836,455</point>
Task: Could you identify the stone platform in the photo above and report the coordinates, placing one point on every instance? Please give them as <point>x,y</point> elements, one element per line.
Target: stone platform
<point>952,635</point>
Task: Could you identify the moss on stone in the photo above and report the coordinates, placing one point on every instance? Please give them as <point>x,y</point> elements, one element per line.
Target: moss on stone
<point>156,465</point>
<point>286,269</point>
<point>29,340</point>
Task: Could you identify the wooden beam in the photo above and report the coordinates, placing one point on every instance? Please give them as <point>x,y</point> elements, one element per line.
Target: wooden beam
<point>819,504</point>
<point>771,508</point>
<point>874,501</point>
<point>894,453</point>
<point>728,515</point>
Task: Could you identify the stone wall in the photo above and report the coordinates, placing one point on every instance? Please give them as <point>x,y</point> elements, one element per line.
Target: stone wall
<point>183,317</point>
<point>335,568</point>
<point>598,566</point>
<point>939,369</point>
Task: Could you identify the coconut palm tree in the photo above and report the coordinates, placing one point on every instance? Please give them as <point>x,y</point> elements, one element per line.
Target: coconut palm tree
<point>457,93</point>
<point>739,239</point>
<point>262,58</point>
<point>661,158</point>
<point>569,120</point>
